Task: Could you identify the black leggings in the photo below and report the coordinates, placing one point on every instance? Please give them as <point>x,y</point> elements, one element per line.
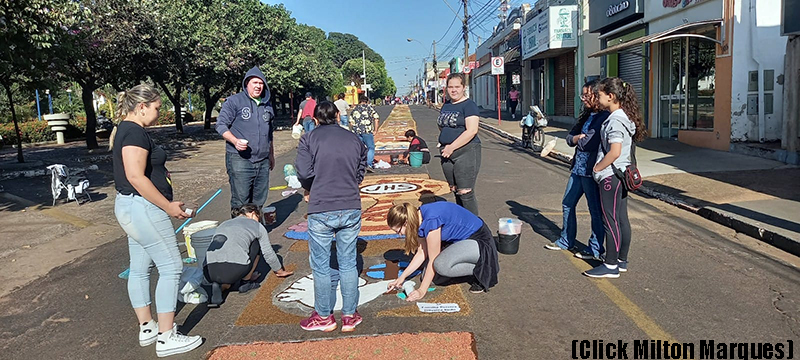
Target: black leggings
<point>614,201</point>
<point>512,104</point>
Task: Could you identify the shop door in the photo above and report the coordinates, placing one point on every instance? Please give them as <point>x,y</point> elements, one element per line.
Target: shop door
<point>631,70</point>
<point>672,92</point>
<point>565,85</point>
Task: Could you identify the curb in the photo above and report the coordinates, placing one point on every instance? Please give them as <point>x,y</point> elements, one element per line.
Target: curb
<point>749,228</point>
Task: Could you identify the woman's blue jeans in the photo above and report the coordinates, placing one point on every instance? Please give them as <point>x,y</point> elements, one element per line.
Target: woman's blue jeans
<point>578,186</point>
<point>342,226</point>
<point>151,239</point>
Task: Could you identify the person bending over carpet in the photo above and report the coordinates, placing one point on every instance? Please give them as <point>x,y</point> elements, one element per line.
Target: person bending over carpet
<point>233,254</point>
<point>455,244</point>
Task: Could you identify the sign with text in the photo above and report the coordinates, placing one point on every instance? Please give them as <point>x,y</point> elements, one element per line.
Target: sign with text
<point>498,65</point>
<point>515,79</point>
<point>554,28</point>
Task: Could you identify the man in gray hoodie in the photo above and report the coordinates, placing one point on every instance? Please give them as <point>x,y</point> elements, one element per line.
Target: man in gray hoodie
<point>246,123</point>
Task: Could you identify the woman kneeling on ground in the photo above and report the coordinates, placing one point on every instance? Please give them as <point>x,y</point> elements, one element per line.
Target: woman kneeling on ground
<point>455,244</point>
<point>234,253</point>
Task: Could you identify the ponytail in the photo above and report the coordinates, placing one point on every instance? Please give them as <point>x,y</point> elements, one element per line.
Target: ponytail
<point>406,214</point>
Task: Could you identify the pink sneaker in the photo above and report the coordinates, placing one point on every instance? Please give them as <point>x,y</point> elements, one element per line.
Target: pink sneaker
<point>316,322</point>
<point>349,322</point>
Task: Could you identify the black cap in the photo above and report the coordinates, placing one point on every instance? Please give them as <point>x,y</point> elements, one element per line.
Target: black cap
<point>308,94</point>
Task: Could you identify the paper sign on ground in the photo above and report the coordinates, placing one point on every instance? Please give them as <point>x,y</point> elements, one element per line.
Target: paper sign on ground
<point>438,307</point>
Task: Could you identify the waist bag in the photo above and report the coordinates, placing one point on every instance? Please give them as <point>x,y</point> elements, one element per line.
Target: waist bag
<point>630,176</point>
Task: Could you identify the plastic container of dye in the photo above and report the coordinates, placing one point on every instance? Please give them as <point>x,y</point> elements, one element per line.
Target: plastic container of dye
<point>193,228</point>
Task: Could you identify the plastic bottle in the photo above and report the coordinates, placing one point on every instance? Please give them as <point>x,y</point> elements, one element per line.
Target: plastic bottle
<point>408,287</point>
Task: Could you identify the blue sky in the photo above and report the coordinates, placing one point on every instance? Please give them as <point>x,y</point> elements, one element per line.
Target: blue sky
<point>384,26</point>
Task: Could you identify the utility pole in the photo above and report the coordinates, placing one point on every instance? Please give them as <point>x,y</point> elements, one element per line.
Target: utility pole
<point>435,76</point>
<point>364,63</point>
<point>466,45</point>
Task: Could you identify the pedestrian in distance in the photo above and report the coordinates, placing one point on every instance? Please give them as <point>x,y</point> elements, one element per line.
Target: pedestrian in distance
<point>143,207</point>
<point>454,242</point>
<point>331,162</point>
<point>415,143</point>
<point>246,123</point>
<point>343,107</point>
<point>513,100</point>
<point>623,127</point>
<point>459,143</point>
<point>306,113</point>
<point>365,122</point>
<point>585,137</point>
<point>234,253</point>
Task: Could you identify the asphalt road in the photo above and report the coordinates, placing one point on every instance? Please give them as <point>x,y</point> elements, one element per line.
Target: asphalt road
<point>688,280</point>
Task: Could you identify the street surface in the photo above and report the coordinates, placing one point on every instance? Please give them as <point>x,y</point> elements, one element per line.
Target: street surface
<point>689,280</point>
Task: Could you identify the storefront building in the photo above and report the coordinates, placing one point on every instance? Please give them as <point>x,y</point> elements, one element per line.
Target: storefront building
<point>619,22</point>
<point>549,44</point>
<point>696,90</point>
<point>505,42</point>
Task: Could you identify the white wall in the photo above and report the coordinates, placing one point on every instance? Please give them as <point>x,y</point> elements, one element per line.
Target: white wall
<point>770,49</point>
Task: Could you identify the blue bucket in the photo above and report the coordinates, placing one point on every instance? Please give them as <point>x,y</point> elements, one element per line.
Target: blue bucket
<point>415,158</point>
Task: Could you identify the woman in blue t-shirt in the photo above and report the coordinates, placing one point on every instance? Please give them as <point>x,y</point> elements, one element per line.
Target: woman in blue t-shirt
<point>459,143</point>
<point>455,243</point>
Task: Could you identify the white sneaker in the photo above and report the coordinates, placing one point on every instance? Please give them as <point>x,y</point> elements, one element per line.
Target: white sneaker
<point>172,343</point>
<point>148,332</point>
<point>513,116</point>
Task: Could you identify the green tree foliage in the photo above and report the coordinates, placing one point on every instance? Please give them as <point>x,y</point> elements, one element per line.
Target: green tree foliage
<point>99,44</point>
<point>347,46</point>
<point>27,33</point>
<point>377,77</point>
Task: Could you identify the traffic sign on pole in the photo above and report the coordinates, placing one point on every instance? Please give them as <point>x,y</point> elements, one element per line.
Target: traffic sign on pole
<point>498,65</point>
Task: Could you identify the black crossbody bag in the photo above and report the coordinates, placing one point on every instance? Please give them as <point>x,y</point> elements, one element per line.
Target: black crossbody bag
<point>630,176</point>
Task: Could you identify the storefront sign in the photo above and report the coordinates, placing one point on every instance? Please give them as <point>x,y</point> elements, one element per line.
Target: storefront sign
<point>553,28</point>
<point>618,8</point>
<point>607,15</point>
<point>661,9</point>
<point>515,79</point>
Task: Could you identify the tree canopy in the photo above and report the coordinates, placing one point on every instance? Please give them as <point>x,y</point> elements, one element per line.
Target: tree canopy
<point>203,45</point>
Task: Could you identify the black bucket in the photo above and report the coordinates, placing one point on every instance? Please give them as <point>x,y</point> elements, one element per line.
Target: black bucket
<point>507,244</point>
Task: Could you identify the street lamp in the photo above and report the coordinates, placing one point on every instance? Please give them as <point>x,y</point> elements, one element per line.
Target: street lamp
<point>69,94</point>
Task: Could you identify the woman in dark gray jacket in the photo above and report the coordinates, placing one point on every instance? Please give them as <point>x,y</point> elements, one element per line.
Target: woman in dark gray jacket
<point>585,137</point>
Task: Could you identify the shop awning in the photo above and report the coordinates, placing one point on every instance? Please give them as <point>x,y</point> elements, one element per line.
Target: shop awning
<point>676,32</point>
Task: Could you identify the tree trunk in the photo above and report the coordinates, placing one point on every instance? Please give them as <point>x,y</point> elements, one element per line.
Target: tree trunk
<point>91,116</point>
<point>209,108</point>
<point>176,102</point>
<point>7,87</point>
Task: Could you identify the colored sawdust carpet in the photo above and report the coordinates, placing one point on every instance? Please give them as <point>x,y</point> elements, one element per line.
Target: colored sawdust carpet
<point>390,139</point>
<point>372,248</point>
<point>378,195</point>
<point>261,311</point>
<point>451,345</point>
<point>447,294</point>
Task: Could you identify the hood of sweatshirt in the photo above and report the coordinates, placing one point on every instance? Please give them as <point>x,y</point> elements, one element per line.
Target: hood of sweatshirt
<point>256,72</point>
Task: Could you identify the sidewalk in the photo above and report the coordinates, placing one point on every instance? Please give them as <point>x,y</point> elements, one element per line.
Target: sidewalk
<point>752,195</point>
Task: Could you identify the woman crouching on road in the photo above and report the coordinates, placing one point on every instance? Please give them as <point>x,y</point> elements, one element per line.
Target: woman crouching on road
<point>234,253</point>
<point>143,208</point>
<point>455,244</point>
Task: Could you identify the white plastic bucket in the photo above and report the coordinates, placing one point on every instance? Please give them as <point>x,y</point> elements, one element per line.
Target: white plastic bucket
<point>193,228</point>
<point>201,240</point>
<point>297,131</point>
<point>509,226</point>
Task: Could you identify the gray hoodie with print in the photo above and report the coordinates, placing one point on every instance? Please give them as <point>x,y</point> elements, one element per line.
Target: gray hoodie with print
<point>616,129</point>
